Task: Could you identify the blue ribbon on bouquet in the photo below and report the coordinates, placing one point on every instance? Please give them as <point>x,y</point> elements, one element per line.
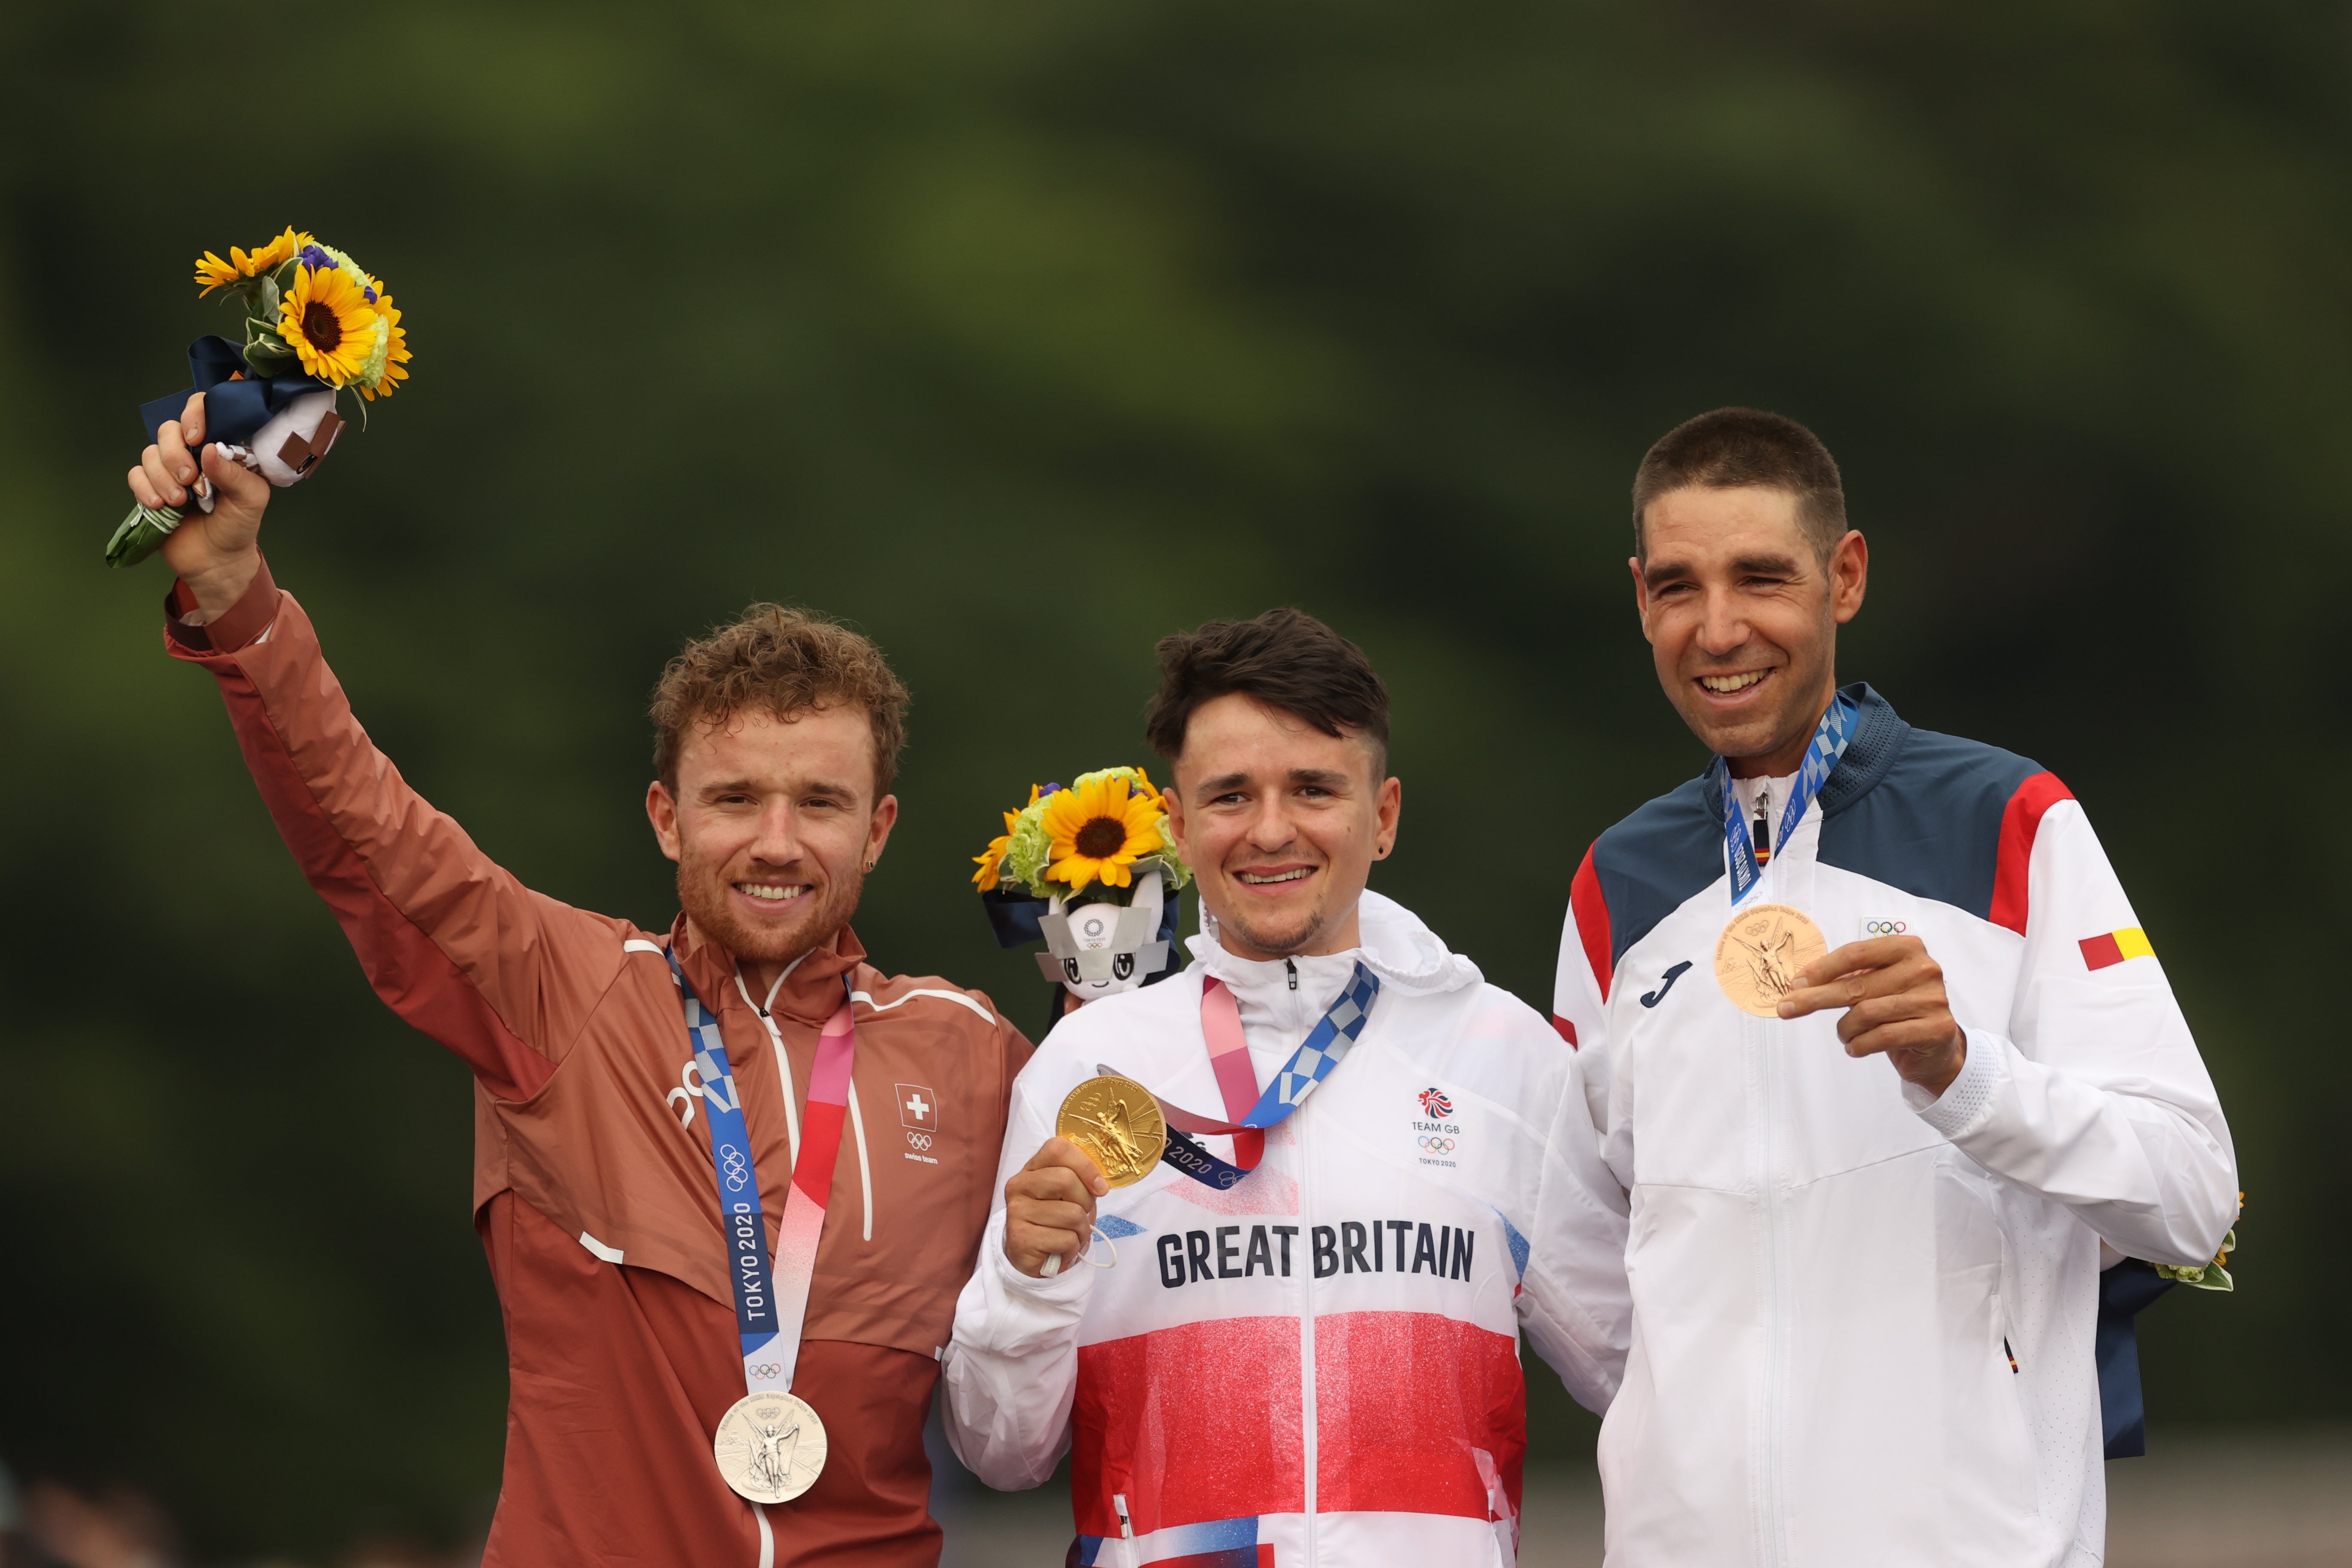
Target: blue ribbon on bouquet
<point>237,403</point>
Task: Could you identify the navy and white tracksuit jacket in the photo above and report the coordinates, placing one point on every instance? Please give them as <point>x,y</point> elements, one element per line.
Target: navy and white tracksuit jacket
<point>1320,1365</point>
<point>1863,1318</point>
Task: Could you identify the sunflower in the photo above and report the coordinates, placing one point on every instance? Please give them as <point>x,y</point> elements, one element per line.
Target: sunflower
<point>212,272</point>
<point>328,322</point>
<point>1098,830</point>
<point>395,352</point>
<point>991,861</point>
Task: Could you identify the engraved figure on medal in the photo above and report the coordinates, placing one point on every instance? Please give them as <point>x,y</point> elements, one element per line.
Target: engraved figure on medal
<point>1118,1125</point>
<point>770,1446</point>
<point>1760,954</point>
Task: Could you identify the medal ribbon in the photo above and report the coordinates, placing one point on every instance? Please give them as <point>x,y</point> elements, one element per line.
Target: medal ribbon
<point>1829,744</point>
<point>1251,1112</point>
<point>770,1302</point>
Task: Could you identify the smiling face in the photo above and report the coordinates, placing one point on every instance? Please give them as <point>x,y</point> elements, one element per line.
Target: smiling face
<point>1742,617</point>
<point>1281,824</point>
<point>772,825</point>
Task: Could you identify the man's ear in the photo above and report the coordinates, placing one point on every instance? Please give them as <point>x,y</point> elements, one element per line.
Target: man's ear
<point>1390,807</point>
<point>661,810</point>
<point>877,827</point>
<point>1849,574</point>
<point>1172,802</point>
<point>1641,596</point>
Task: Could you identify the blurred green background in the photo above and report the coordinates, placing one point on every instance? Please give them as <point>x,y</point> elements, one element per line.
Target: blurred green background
<point>1020,335</point>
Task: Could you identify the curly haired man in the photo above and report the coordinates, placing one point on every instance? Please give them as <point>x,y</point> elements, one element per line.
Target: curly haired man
<point>629,1085</point>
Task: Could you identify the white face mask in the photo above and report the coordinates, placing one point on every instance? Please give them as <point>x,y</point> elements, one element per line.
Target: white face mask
<point>1100,949</point>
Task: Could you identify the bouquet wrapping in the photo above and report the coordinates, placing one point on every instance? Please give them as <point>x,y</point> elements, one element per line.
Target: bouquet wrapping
<point>316,324</point>
<point>1092,871</point>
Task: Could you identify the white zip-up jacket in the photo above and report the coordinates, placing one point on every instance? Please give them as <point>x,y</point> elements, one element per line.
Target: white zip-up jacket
<point>1863,1316</point>
<point>1322,1362</point>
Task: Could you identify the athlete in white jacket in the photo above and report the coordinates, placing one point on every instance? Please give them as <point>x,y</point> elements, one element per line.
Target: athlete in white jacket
<point>1320,1363</point>
<point>1864,1300</point>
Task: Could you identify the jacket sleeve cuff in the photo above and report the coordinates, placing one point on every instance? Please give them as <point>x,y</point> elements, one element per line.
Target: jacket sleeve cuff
<point>1967,1099</point>
<point>1067,1288</point>
<point>244,623</point>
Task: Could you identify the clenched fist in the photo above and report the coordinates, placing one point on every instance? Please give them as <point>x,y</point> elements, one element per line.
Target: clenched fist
<point>1049,1207</point>
<point>214,553</point>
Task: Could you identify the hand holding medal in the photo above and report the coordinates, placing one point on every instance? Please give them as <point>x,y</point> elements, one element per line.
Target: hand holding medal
<point>1893,993</point>
<point>1771,959</point>
<point>1049,1203</point>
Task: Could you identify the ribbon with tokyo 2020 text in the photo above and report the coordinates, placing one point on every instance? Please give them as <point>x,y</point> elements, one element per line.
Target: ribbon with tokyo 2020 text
<point>770,1299</point>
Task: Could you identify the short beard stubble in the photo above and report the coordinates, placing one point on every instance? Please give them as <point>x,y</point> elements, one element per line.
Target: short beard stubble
<point>703,893</point>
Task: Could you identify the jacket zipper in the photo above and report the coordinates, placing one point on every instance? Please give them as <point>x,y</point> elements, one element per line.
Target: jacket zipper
<point>865,1167</point>
<point>1309,1446</point>
<point>1775,1304</point>
<point>791,1113</point>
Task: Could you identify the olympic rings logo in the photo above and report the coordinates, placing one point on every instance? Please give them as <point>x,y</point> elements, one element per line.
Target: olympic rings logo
<point>731,1166</point>
<point>1437,1145</point>
<point>766,1369</point>
<point>1884,928</point>
<point>919,1139</point>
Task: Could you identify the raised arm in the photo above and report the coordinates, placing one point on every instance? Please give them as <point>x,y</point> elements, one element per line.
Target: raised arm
<point>501,976</point>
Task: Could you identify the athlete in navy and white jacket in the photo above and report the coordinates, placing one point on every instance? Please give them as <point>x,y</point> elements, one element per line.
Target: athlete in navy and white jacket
<point>1864,1300</point>
<point>1324,1359</point>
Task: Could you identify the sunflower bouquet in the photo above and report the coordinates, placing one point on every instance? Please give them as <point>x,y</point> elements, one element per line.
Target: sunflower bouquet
<point>1091,868</point>
<point>316,325</point>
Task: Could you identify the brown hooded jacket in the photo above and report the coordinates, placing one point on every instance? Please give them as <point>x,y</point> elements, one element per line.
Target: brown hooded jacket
<point>592,1188</point>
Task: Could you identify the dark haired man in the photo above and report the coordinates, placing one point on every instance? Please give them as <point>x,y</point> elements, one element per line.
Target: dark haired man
<point>1864,1300</point>
<point>1298,1342</point>
<point>632,1087</point>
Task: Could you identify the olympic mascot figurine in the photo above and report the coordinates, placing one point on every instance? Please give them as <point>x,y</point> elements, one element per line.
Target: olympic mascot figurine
<point>1088,868</point>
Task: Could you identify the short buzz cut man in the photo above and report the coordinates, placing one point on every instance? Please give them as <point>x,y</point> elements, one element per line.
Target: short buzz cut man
<point>1296,1338</point>
<point>1864,1293</point>
<point>621,1223</point>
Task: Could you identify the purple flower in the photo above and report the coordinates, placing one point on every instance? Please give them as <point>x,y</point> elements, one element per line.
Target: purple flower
<point>316,259</point>
<point>369,292</point>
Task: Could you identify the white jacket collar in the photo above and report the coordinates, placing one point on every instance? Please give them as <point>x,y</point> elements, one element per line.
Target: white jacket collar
<point>1405,954</point>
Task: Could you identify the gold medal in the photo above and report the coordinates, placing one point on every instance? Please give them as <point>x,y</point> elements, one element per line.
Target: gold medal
<point>1118,1125</point>
<point>1761,953</point>
<point>770,1446</point>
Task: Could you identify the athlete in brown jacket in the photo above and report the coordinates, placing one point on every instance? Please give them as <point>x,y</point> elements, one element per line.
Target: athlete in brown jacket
<point>593,1184</point>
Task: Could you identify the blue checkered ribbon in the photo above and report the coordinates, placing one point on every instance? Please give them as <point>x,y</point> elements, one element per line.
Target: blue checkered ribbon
<point>1340,1026</point>
<point>1830,738</point>
<point>1320,1052</point>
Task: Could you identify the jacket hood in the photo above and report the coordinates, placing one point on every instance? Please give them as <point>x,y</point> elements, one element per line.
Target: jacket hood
<point>1397,947</point>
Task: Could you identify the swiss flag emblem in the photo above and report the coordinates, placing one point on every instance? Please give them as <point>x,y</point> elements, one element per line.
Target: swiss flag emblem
<point>918,1108</point>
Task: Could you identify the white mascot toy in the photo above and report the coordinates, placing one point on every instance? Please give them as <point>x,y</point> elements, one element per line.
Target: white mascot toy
<point>1090,869</point>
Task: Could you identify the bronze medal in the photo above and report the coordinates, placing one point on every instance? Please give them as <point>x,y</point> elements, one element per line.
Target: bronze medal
<point>1117,1122</point>
<point>1761,953</point>
<point>770,1446</point>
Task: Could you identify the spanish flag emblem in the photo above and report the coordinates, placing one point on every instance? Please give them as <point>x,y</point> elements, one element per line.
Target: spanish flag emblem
<point>2098,952</point>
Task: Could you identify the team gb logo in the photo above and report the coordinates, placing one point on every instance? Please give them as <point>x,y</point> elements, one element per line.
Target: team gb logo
<point>1434,1103</point>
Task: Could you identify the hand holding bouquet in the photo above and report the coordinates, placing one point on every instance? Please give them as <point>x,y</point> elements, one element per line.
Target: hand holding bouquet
<point>315,324</point>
